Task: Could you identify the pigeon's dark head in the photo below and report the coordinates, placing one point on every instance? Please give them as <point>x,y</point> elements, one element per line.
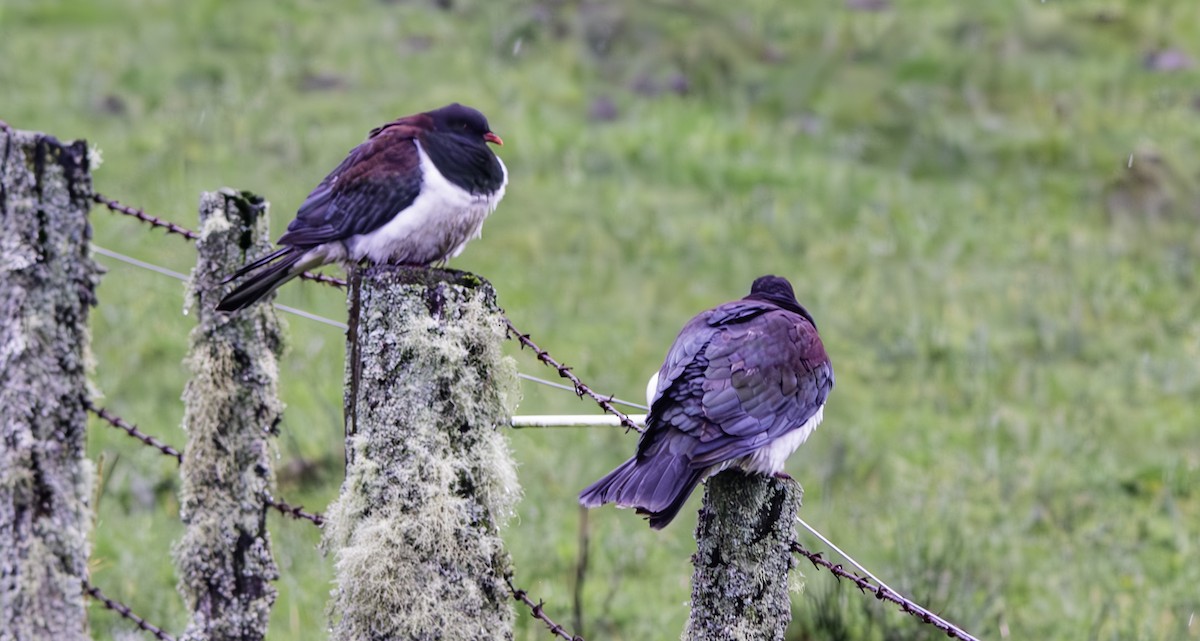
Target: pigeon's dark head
<point>464,122</point>
<point>778,290</point>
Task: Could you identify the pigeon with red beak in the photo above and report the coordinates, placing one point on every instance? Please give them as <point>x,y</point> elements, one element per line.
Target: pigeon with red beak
<point>743,386</point>
<point>414,193</point>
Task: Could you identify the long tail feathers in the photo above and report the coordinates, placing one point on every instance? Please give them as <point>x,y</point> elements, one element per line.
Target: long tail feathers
<point>656,486</point>
<point>264,282</point>
<point>256,263</point>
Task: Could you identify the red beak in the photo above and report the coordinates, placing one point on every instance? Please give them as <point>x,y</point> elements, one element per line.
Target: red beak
<point>493,138</point>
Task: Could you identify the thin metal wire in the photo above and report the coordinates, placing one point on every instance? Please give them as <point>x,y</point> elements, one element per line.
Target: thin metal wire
<point>314,317</point>
<point>572,420</point>
<point>184,277</point>
<point>172,228</point>
<point>881,591</point>
<point>542,381</point>
<point>581,390</point>
<point>139,263</point>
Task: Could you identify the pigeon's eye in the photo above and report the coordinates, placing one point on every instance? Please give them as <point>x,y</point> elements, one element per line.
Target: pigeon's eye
<point>465,126</point>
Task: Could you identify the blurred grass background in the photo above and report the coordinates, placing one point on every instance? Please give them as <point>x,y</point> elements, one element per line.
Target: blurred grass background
<point>992,210</point>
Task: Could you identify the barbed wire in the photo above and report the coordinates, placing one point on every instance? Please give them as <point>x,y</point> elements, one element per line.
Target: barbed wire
<point>581,390</point>
<point>287,509</point>
<point>132,430</point>
<point>295,511</point>
<point>125,612</point>
<point>153,221</point>
<point>883,593</point>
<point>614,399</point>
<point>539,613</point>
<point>158,269</point>
<point>173,228</point>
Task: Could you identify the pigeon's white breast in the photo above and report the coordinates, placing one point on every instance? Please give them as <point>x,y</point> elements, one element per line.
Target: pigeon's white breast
<point>438,224</point>
<point>770,458</point>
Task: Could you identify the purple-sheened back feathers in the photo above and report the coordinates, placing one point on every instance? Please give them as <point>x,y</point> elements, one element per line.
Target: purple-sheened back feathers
<point>413,193</point>
<point>743,385</point>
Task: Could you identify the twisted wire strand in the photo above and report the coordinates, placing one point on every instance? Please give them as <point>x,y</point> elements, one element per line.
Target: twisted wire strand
<point>173,228</point>
<point>883,593</point>
<point>125,612</point>
<point>581,389</point>
<point>606,403</point>
<point>539,613</point>
<point>287,509</point>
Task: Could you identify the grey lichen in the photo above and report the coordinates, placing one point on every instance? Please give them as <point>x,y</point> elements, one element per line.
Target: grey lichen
<point>47,287</point>
<point>232,407</point>
<point>430,480</point>
<point>740,585</point>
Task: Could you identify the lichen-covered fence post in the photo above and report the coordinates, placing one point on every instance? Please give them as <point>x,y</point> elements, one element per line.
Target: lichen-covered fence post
<point>743,558</point>
<point>47,285</point>
<point>231,408</point>
<point>429,478</point>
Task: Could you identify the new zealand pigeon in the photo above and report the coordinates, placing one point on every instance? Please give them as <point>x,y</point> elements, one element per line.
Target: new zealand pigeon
<point>414,193</point>
<point>743,386</point>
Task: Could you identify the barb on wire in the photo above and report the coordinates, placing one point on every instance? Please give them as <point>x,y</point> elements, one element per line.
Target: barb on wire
<point>132,430</point>
<point>294,511</point>
<point>172,228</point>
<point>153,221</point>
<point>125,612</point>
<point>324,279</point>
<point>605,403</point>
<point>538,613</point>
<point>883,593</point>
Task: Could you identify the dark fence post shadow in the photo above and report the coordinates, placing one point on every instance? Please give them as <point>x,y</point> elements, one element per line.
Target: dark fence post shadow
<point>740,584</point>
<point>429,477</point>
<point>231,409</point>
<point>47,287</point>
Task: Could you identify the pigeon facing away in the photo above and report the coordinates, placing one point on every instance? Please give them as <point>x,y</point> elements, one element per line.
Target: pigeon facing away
<point>414,193</point>
<point>743,386</point>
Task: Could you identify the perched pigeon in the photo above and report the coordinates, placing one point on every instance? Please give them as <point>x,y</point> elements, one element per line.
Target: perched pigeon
<point>414,193</point>
<point>743,386</point>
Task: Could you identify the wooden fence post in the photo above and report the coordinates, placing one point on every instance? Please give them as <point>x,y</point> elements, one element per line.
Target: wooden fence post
<point>743,558</point>
<point>429,479</point>
<point>231,408</point>
<point>47,285</point>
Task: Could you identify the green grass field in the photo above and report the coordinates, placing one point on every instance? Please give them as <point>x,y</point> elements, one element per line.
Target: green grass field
<point>992,210</point>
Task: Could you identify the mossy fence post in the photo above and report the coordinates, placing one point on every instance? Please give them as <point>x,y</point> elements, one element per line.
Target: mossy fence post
<point>47,285</point>
<point>740,584</point>
<point>231,409</point>
<point>429,477</point>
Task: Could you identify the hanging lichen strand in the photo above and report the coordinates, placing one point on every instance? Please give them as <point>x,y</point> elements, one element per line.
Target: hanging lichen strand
<point>429,480</point>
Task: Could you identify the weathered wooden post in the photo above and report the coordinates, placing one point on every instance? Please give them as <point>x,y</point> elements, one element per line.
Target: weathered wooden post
<point>47,285</point>
<point>743,558</point>
<point>231,408</point>
<point>429,478</point>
